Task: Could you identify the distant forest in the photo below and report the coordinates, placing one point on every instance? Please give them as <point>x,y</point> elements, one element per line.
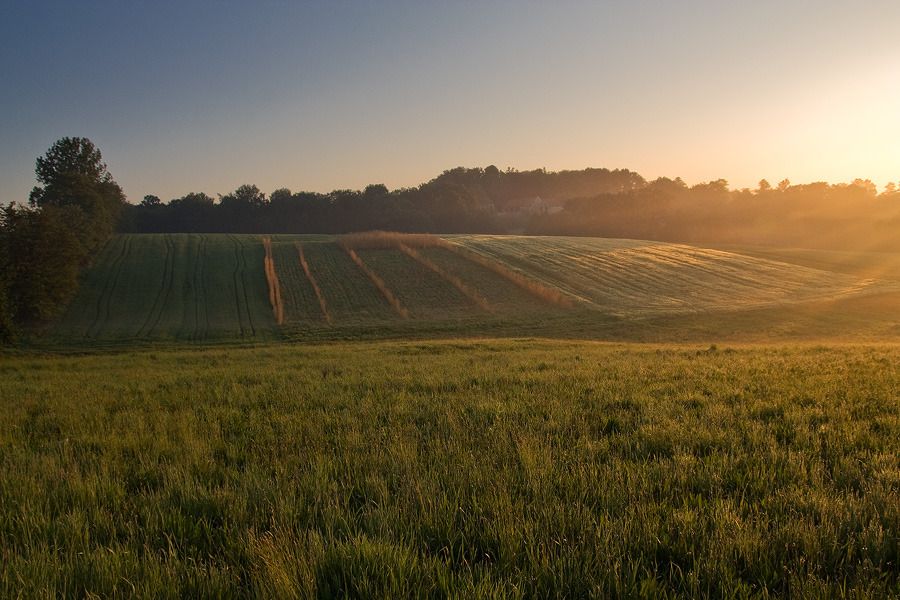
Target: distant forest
<point>590,202</point>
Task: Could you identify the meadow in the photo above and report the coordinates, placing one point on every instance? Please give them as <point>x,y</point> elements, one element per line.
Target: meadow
<point>451,469</point>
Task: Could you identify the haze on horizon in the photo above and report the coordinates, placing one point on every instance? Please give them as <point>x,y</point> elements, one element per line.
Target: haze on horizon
<point>205,96</point>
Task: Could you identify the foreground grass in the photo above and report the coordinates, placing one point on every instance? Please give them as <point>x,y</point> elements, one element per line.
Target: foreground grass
<point>452,469</point>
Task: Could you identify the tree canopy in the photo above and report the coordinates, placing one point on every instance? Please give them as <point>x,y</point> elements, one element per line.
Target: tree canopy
<point>69,217</point>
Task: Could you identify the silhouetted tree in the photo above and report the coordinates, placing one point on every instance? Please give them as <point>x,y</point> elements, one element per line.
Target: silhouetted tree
<point>280,198</point>
<point>71,214</point>
<point>246,196</point>
<point>375,190</point>
<point>72,174</point>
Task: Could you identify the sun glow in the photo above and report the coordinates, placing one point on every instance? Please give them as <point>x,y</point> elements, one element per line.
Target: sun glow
<point>848,128</point>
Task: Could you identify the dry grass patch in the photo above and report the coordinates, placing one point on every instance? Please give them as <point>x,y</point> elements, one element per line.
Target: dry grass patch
<point>272,280</point>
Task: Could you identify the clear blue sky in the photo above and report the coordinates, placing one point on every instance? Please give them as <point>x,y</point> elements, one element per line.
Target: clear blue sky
<point>205,96</point>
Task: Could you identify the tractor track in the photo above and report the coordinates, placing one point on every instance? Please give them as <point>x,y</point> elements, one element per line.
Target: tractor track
<point>109,286</point>
<point>162,294</point>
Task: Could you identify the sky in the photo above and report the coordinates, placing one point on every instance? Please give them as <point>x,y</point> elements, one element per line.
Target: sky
<point>206,96</point>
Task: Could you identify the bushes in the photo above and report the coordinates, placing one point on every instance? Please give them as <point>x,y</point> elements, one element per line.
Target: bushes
<point>43,257</point>
<point>6,322</point>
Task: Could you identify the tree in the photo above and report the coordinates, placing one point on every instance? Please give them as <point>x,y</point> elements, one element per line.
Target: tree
<point>73,155</point>
<point>72,173</point>
<point>375,190</point>
<point>280,197</point>
<point>198,199</point>
<point>193,212</point>
<point>43,246</point>
<point>246,196</point>
<point>44,254</point>
<point>151,201</point>
<point>869,188</point>
<point>241,209</point>
<point>67,168</point>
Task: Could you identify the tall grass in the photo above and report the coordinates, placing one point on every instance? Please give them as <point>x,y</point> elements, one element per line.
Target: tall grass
<point>378,282</point>
<point>272,280</point>
<point>312,281</point>
<point>456,469</point>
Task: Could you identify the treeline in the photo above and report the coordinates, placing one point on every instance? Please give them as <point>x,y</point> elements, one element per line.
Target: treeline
<point>44,245</point>
<point>593,202</point>
<point>816,215</point>
<point>458,201</point>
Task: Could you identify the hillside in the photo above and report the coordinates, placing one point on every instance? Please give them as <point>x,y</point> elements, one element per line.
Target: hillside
<point>208,287</point>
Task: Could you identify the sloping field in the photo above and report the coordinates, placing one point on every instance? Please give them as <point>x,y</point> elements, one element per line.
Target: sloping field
<point>218,287</point>
<point>180,287</point>
<point>633,278</point>
<point>299,296</point>
<point>350,297</point>
<point>424,293</point>
<point>501,295</point>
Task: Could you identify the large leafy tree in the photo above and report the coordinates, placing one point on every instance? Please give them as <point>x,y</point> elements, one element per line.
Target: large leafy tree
<point>246,196</point>
<point>242,206</point>
<point>71,156</point>
<point>72,213</point>
<point>72,174</point>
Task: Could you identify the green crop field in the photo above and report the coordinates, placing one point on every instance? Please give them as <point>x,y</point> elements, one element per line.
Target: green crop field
<point>469,469</point>
<point>172,287</point>
<point>209,288</point>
